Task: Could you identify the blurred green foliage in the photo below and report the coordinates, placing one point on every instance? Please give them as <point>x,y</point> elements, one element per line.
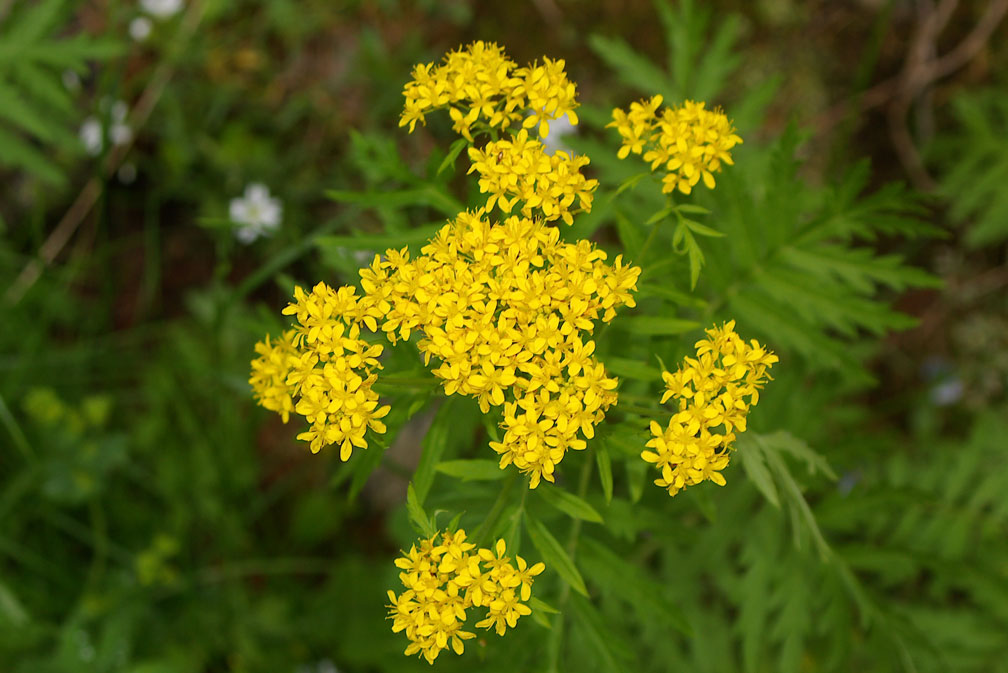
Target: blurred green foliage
<point>152,520</point>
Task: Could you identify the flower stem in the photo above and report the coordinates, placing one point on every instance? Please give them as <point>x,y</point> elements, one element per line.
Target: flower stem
<point>556,636</point>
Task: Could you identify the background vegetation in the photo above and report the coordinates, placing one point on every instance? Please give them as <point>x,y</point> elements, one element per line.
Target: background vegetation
<point>153,520</point>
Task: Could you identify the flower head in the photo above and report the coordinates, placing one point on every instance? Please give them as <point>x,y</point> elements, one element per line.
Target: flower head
<point>689,143</point>
<point>520,170</point>
<point>446,577</point>
<point>479,83</point>
<point>322,370</point>
<point>714,391</point>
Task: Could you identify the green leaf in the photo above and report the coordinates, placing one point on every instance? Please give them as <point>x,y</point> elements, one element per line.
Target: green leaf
<point>606,643</point>
<point>655,326</point>
<point>630,183</point>
<point>472,470</point>
<point>450,431</point>
<point>636,478</point>
<point>627,581</point>
<point>692,208</point>
<point>553,555</point>
<point>702,229</point>
<point>754,464</point>
<point>659,216</point>
<point>568,503</point>
<point>16,152</point>
<point>12,611</point>
<point>631,369</point>
<point>453,152</point>
<point>604,461</point>
<point>417,514</point>
<point>424,196</point>
<point>631,67</point>
<point>542,606</point>
<point>380,242</point>
<point>629,233</point>
<point>673,295</point>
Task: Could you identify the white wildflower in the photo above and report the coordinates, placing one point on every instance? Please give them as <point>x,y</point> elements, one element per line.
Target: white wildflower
<point>257,213</point>
<point>140,28</point>
<point>91,136</point>
<point>161,9</point>
<point>92,132</point>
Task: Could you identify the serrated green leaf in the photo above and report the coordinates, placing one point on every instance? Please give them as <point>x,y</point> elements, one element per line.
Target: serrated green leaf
<point>568,503</point>
<point>628,582</point>
<point>554,555</point>
<point>631,67</point>
<point>21,115</point>
<point>16,152</point>
<point>472,470</point>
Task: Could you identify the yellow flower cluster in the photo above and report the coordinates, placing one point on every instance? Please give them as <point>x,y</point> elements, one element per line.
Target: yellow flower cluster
<point>479,82</point>
<point>504,308</point>
<point>688,141</point>
<point>446,577</point>
<point>519,169</point>
<point>712,391</point>
<point>323,370</point>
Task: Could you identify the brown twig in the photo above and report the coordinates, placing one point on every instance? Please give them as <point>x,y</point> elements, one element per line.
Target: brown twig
<point>89,194</point>
<point>921,69</point>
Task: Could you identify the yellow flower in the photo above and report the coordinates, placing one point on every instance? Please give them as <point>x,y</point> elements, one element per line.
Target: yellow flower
<point>445,578</point>
<point>518,169</point>
<point>688,142</point>
<point>502,310</point>
<point>480,83</point>
<point>322,370</point>
<point>270,371</point>
<point>715,391</point>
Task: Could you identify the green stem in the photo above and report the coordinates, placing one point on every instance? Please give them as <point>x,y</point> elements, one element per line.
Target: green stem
<point>20,441</point>
<point>556,636</point>
<point>479,537</point>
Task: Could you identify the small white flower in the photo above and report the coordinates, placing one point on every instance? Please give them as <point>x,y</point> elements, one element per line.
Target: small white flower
<point>257,212</point>
<point>91,136</point>
<point>140,28</point>
<point>161,9</point>
<point>91,132</point>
